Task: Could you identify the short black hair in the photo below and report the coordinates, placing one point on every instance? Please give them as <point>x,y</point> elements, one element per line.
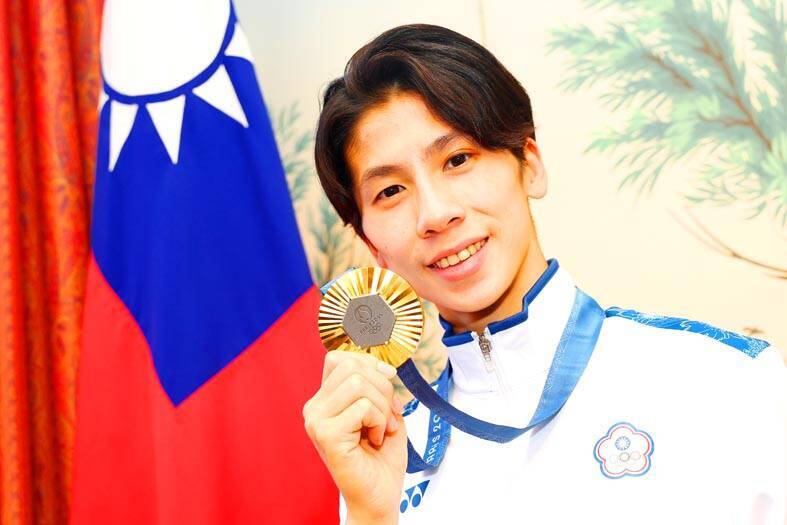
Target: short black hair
<point>460,81</point>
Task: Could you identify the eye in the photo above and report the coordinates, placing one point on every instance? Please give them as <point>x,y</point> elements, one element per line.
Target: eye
<point>390,191</point>
<point>457,160</point>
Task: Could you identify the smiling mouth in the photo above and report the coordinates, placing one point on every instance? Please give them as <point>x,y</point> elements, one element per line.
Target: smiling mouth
<point>460,256</point>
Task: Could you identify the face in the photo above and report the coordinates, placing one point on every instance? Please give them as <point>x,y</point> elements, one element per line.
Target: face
<point>444,213</point>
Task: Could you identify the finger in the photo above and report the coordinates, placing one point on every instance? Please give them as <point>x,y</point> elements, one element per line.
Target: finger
<point>346,371</point>
<point>367,369</point>
<point>334,435</point>
<point>355,387</point>
<point>335,357</point>
<point>361,414</point>
<point>343,364</point>
<point>350,365</point>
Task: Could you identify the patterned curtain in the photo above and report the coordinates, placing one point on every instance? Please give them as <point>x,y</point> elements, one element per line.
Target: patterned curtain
<point>49,80</point>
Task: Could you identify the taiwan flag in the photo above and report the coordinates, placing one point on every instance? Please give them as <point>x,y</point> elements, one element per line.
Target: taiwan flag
<point>200,342</point>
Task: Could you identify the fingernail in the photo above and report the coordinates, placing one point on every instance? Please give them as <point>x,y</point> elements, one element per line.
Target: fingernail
<point>386,369</point>
<point>397,405</point>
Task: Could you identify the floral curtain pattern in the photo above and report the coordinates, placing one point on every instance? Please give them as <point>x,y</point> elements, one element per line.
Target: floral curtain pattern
<point>49,79</point>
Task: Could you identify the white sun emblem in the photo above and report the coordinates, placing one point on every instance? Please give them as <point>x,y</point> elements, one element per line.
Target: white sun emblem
<point>622,443</point>
<point>154,51</point>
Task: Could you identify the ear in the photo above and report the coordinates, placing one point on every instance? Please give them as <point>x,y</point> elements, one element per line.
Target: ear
<point>381,262</point>
<point>535,172</point>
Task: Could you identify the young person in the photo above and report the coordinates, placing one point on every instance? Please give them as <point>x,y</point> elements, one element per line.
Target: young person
<point>426,146</point>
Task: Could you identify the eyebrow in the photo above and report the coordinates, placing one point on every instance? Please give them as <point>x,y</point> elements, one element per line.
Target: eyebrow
<point>437,144</point>
<point>440,142</point>
<point>377,171</point>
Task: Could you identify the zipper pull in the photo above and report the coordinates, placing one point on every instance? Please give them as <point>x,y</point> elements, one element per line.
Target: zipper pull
<point>486,351</point>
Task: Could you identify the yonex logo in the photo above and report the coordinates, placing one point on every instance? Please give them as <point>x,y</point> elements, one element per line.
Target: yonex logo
<point>413,496</point>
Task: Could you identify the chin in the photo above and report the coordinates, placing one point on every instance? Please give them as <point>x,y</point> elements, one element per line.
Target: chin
<point>465,302</point>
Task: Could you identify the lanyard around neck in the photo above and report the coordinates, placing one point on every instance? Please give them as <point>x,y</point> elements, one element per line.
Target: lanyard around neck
<point>568,363</point>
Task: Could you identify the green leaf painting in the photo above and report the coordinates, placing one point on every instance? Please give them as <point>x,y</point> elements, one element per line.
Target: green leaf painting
<point>324,230</point>
<point>332,241</point>
<point>702,81</point>
<point>295,149</point>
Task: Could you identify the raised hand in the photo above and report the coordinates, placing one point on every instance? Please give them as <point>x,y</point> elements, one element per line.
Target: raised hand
<point>355,422</point>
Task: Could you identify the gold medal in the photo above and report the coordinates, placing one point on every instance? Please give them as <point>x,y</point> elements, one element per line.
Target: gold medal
<point>374,311</point>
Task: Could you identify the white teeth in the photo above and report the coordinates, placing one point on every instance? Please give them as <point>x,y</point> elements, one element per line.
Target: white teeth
<point>462,255</point>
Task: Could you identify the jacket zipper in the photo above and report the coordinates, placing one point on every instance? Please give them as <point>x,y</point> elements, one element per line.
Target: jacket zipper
<point>485,344</point>
<point>486,351</point>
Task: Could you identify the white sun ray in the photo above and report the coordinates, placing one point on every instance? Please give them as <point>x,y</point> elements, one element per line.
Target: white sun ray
<point>219,92</point>
<point>121,119</point>
<point>180,42</point>
<point>239,45</point>
<point>102,99</point>
<point>167,117</point>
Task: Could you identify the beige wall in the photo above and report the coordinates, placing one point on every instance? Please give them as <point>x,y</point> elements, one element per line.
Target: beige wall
<point>624,249</point>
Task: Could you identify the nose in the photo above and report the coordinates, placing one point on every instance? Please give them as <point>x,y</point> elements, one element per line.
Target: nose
<point>438,210</point>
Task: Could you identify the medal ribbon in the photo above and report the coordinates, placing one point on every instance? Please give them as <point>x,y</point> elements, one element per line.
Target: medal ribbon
<point>570,359</point>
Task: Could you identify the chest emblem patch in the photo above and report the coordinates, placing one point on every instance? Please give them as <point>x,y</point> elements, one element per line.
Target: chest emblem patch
<point>624,451</point>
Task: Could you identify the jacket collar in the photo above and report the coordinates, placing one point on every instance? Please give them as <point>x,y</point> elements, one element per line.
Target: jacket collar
<point>522,344</point>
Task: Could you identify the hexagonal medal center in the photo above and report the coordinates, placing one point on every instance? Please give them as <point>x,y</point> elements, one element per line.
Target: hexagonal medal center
<point>369,320</point>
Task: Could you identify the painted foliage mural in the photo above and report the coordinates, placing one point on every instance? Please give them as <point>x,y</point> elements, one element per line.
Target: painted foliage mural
<point>703,85</point>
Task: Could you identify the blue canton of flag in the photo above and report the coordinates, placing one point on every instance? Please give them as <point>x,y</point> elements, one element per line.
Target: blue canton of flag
<point>193,225</point>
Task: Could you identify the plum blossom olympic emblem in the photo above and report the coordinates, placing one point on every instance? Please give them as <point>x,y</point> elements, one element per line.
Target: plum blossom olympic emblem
<point>624,451</point>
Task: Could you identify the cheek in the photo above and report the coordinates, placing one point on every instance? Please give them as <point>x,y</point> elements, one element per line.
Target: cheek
<point>388,236</point>
<point>503,200</point>
<point>493,186</point>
